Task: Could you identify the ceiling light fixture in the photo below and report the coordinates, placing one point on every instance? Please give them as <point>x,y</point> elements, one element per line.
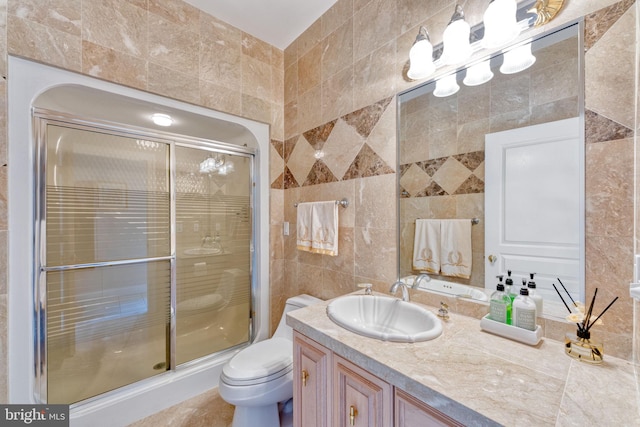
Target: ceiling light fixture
<point>162,119</point>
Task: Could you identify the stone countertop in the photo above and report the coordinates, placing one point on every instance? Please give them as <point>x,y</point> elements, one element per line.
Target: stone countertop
<point>482,379</point>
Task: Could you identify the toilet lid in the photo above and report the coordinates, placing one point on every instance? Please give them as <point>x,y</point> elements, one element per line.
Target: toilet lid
<point>268,358</point>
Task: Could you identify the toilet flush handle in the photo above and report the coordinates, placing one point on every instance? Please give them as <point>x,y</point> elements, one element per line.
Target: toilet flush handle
<point>305,375</point>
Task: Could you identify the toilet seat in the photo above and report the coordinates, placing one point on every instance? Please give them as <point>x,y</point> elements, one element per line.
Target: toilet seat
<point>260,362</point>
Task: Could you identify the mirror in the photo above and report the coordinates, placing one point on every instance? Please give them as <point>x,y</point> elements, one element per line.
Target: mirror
<point>442,174</point>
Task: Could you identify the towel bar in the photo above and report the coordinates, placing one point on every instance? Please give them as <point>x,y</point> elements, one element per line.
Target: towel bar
<point>344,203</point>
<point>474,221</point>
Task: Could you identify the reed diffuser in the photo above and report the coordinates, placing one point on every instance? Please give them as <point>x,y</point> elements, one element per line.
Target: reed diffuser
<point>580,346</point>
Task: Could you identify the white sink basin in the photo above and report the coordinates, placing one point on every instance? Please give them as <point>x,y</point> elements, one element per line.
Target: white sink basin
<point>384,318</point>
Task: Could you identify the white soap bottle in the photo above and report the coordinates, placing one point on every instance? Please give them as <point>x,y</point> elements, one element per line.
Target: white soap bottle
<point>500,305</point>
<point>524,311</point>
<point>534,295</point>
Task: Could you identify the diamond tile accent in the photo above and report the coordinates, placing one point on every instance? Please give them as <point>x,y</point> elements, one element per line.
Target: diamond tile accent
<point>470,160</point>
<point>415,180</point>
<point>288,179</point>
<point>432,190</point>
<point>319,174</point>
<point>383,135</point>
<point>472,185</point>
<point>601,129</point>
<point>276,163</point>
<point>288,147</point>
<point>365,119</point>
<point>451,174</point>
<point>599,22</point>
<point>301,159</point>
<point>278,183</point>
<point>341,148</point>
<point>432,166</point>
<point>319,135</point>
<point>278,146</point>
<point>367,163</point>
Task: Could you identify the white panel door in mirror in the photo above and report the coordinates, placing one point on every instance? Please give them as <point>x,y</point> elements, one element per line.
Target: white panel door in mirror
<point>534,205</point>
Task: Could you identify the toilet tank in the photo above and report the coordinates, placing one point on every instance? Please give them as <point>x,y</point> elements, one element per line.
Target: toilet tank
<point>293,303</point>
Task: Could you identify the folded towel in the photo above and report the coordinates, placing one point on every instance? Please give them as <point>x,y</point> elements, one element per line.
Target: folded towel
<point>317,227</point>
<point>426,246</point>
<point>324,228</point>
<point>303,226</point>
<point>455,247</point>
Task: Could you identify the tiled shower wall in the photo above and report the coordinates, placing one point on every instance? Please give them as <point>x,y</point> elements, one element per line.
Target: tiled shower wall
<point>355,57</point>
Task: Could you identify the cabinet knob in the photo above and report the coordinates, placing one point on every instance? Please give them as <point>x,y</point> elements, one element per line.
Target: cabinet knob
<point>305,375</point>
<point>353,413</point>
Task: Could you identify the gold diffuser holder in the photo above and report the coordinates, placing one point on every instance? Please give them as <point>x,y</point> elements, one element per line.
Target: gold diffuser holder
<point>580,346</point>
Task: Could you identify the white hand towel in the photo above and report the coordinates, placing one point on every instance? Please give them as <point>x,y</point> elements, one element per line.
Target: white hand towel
<point>303,226</point>
<point>324,228</point>
<point>455,247</point>
<point>426,246</point>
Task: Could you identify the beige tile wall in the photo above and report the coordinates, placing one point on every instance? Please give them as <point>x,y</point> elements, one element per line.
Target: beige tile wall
<point>372,66</point>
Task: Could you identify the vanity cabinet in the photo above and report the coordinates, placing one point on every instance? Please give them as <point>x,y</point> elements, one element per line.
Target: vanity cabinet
<point>359,398</point>
<point>329,390</point>
<point>311,373</point>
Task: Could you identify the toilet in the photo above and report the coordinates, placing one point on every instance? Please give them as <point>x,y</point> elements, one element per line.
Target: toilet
<point>260,376</point>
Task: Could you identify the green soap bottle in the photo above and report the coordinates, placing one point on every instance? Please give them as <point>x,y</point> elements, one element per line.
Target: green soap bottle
<point>513,293</point>
<point>500,305</point>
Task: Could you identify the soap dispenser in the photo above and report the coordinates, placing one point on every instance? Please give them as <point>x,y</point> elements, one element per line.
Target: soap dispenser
<point>508,287</point>
<point>524,311</point>
<point>500,304</point>
<point>534,295</point>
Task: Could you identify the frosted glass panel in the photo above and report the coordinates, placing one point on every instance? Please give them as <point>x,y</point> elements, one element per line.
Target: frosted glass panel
<point>106,327</point>
<point>213,252</point>
<point>107,197</point>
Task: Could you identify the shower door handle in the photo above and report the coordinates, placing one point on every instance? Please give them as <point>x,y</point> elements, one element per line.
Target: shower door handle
<point>305,375</point>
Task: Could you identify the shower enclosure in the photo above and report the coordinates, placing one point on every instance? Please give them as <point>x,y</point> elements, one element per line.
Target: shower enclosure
<point>144,254</point>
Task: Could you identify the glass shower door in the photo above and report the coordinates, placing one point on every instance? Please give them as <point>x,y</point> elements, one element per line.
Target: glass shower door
<point>106,264</point>
<point>213,251</point>
<point>144,260</point>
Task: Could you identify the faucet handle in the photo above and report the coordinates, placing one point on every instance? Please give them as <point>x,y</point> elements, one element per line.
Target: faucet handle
<point>366,286</point>
<point>444,310</point>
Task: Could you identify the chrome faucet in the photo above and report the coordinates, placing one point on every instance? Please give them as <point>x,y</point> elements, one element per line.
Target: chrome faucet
<point>404,287</point>
<point>419,277</point>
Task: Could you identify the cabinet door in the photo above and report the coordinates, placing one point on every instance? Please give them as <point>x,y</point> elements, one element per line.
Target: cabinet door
<point>359,398</point>
<point>311,364</point>
<point>411,412</point>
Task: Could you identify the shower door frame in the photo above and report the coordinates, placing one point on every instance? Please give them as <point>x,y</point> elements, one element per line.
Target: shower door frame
<point>42,117</point>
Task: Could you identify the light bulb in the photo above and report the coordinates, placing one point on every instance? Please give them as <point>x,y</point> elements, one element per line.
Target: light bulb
<point>518,59</point>
<point>421,57</point>
<point>478,74</point>
<point>500,25</point>
<point>446,86</point>
<point>455,39</point>
<point>162,119</point>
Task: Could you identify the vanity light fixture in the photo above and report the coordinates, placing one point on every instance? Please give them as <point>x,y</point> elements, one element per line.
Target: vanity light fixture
<point>455,39</point>
<point>518,59</point>
<point>421,57</point>
<point>161,119</point>
<point>446,86</point>
<point>478,74</point>
<point>500,25</point>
